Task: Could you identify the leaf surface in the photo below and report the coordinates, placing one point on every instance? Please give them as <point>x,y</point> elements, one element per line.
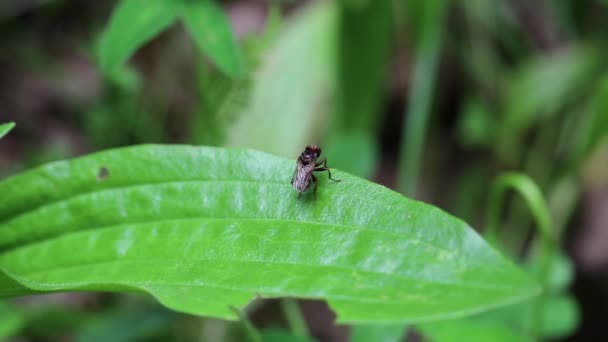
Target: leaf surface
<point>202,229</point>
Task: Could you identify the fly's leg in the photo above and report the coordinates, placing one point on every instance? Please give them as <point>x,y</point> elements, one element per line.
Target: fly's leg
<point>299,194</point>
<point>315,181</point>
<point>322,166</point>
<point>322,162</point>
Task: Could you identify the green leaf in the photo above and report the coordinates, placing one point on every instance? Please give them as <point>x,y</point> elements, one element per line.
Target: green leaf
<point>133,23</point>
<point>10,288</point>
<point>474,330</point>
<point>594,127</point>
<point>128,324</point>
<point>212,33</point>
<point>560,273</point>
<point>560,317</point>
<point>431,16</point>
<point>476,126</point>
<point>354,152</point>
<point>5,128</point>
<point>278,335</point>
<point>378,333</point>
<point>363,55</point>
<point>11,321</point>
<point>542,88</point>
<point>560,313</point>
<point>288,105</point>
<point>202,229</point>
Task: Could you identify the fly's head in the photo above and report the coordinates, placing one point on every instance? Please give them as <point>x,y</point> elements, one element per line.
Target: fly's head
<point>310,154</point>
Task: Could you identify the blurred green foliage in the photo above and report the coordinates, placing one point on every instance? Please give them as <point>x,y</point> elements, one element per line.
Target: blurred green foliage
<point>5,128</point>
<point>434,97</point>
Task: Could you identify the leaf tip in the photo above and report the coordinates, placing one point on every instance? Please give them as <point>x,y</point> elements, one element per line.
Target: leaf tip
<point>5,128</point>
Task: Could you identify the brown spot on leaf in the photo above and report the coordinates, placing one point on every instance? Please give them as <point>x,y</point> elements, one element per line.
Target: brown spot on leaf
<point>103,173</point>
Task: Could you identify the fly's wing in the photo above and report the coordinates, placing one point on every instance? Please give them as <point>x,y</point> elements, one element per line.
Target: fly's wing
<point>302,176</point>
<point>295,171</point>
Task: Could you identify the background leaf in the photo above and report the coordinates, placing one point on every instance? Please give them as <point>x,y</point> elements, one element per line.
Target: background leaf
<point>212,33</point>
<point>378,333</point>
<point>292,87</point>
<point>474,330</point>
<point>277,335</point>
<point>200,229</point>
<point>5,128</point>
<point>133,23</point>
<point>11,321</point>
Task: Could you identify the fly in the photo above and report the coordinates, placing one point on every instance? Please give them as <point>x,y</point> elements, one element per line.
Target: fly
<point>306,164</point>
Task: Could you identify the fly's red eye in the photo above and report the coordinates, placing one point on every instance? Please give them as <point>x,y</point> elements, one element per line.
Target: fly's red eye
<point>314,149</point>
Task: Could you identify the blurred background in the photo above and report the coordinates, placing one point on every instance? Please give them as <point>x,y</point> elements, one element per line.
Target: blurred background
<point>432,98</point>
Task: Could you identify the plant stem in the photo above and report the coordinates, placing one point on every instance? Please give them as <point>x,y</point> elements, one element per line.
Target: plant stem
<point>540,212</point>
<point>251,333</point>
<point>295,320</point>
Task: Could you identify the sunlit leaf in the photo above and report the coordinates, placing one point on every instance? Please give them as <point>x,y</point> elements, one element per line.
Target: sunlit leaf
<point>290,100</point>
<point>202,229</point>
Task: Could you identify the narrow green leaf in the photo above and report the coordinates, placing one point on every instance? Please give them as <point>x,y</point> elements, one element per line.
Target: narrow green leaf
<point>212,33</point>
<point>417,113</point>
<point>594,127</point>
<point>363,55</point>
<point>133,23</point>
<point>541,88</point>
<point>5,128</point>
<point>202,229</point>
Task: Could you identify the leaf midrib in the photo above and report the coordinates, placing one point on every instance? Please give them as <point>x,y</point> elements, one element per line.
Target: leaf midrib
<point>467,285</point>
<point>140,224</point>
<point>11,247</point>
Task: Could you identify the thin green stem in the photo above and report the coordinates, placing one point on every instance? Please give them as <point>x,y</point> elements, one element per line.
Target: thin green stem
<point>293,314</point>
<point>251,333</point>
<point>540,212</point>
<point>423,82</point>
